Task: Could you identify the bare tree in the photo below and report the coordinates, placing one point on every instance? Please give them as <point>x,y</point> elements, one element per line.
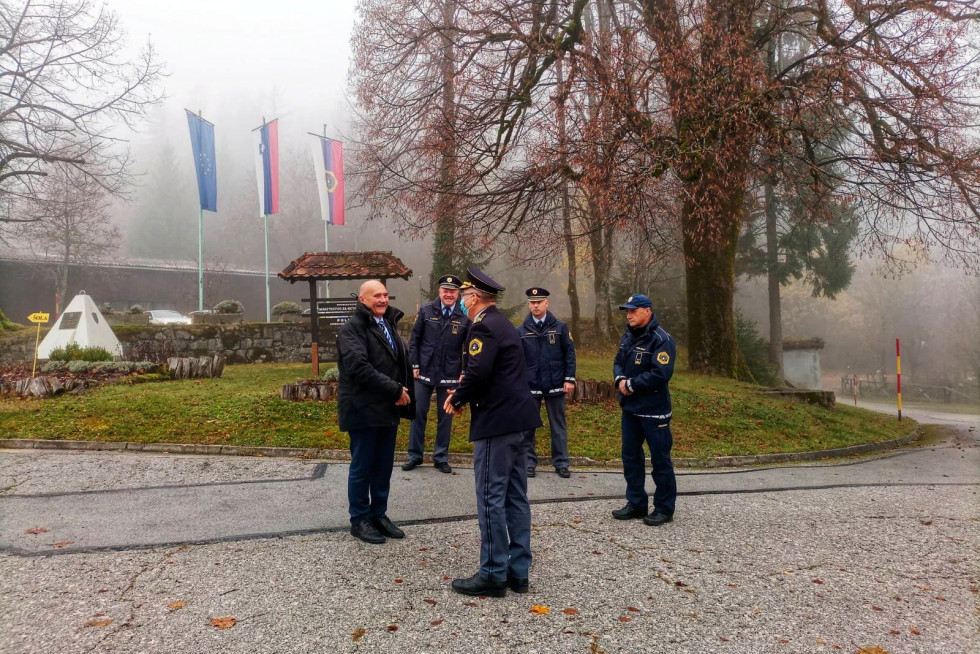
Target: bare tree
<point>67,84</point>
<point>689,98</point>
<point>71,224</point>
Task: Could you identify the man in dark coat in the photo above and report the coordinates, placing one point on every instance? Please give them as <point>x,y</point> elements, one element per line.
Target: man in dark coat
<point>642,370</point>
<point>495,386</point>
<point>374,393</point>
<point>435,350</point>
<point>550,357</point>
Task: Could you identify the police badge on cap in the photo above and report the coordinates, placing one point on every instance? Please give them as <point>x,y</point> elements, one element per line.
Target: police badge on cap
<point>536,294</point>
<point>450,281</point>
<point>482,281</point>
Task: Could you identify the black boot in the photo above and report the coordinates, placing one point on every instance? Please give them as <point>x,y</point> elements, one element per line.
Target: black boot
<point>477,585</point>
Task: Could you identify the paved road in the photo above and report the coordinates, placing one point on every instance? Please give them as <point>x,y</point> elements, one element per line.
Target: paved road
<point>880,552</point>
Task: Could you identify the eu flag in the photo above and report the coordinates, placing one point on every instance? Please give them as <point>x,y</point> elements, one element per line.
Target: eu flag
<point>202,143</point>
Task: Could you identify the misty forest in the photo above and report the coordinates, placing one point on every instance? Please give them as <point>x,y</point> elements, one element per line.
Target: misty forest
<point>767,171</point>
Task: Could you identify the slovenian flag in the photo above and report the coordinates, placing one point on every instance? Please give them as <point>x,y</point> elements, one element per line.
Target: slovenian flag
<point>328,161</point>
<point>267,166</point>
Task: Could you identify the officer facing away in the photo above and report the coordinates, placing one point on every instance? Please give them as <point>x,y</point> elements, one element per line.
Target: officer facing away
<point>435,350</point>
<point>550,357</point>
<point>495,386</point>
<point>643,366</point>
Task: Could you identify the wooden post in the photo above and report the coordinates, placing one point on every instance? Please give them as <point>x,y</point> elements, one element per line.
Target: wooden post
<point>314,330</point>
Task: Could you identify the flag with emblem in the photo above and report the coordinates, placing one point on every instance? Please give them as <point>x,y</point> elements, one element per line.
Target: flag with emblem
<point>328,162</point>
<point>202,145</point>
<point>266,152</point>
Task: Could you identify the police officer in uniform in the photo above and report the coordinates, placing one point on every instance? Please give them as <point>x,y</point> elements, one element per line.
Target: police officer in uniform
<point>549,354</point>
<point>435,350</point>
<point>643,367</point>
<point>495,386</point>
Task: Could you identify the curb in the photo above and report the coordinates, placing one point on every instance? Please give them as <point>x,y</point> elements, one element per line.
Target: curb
<point>456,459</point>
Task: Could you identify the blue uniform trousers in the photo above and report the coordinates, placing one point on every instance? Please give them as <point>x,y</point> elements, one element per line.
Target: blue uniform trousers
<point>656,433</point>
<point>504,514</point>
<point>416,438</point>
<point>559,432</point>
<point>372,456</point>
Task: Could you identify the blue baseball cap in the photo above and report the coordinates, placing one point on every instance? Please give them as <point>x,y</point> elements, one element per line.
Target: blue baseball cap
<point>637,301</point>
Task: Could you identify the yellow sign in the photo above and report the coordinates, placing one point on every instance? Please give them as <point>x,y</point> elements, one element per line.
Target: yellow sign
<point>39,317</point>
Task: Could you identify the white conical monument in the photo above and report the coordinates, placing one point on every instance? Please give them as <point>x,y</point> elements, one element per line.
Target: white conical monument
<point>83,324</point>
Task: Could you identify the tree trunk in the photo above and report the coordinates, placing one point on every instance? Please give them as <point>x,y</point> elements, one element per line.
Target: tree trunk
<point>600,241</point>
<point>710,242</point>
<point>445,250</point>
<point>566,215</point>
<point>772,274</point>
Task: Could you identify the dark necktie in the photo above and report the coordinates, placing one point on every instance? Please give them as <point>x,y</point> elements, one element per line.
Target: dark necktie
<point>445,312</point>
<point>384,328</point>
<point>539,323</point>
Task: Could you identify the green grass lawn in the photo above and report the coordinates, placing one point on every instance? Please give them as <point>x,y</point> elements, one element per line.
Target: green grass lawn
<point>711,416</point>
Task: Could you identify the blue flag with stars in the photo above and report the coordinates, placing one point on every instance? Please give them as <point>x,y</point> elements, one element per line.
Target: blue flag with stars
<point>202,143</point>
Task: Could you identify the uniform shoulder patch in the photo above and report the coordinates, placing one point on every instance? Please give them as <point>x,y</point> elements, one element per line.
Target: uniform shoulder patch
<point>479,318</point>
<point>476,346</point>
<point>663,358</point>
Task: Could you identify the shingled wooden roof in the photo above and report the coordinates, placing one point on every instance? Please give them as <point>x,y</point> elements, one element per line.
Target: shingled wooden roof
<point>345,265</point>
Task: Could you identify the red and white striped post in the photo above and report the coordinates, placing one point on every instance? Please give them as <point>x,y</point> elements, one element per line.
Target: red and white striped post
<point>898,374</point>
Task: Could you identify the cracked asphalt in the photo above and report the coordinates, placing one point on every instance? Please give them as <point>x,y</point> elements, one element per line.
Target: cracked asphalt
<point>141,552</point>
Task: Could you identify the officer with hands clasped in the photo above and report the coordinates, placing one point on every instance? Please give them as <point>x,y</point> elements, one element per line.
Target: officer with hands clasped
<point>550,358</point>
<point>495,386</point>
<point>435,350</point>
<point>641,372</point>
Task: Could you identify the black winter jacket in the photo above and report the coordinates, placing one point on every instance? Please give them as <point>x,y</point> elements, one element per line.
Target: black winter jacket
<point>549,354</point>
<point>645,360</point>
<point>495,382</point>
<point>436,345</point>
<point>371,375</point>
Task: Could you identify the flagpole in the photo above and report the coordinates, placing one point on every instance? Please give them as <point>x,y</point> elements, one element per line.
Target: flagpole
<point>326,248</point>
<point>200,258</point>
<point>268,313</point>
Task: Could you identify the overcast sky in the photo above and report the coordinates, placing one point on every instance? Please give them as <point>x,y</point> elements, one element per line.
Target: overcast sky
<point>237,61</point>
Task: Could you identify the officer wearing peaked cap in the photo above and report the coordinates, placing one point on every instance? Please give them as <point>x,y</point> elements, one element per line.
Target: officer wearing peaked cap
<point>495,386</point>
<point>549,354</point>
<point>435,350</point>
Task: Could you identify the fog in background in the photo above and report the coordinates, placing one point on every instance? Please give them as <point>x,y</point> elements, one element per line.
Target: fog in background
<point>240,62</point>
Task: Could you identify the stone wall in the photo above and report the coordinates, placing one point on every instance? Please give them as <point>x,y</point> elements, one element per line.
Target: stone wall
<point>241,343</point>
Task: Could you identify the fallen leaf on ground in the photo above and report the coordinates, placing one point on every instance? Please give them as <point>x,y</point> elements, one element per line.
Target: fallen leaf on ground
<point>821,641</point>
<point>872,649</point>
<point>632,609</point>
<point>99,623</point>
<point>64,543</point>
<point>430,601</point>
<point>570,611</point>
<point>625,618</point>
<point>358,634</point>
<point>915,631</point>
<point>398,581</point>
<point>895,632</point>
<point>392,627</point>
<point>538,609</point>
<point>818,581</point>
<point>36,530</point>
<point>227,622</point>
<point>470,604</point>
<point>436,623</point>
<point>784,640</point>
<point>176,605</point>
<point>877,608</point>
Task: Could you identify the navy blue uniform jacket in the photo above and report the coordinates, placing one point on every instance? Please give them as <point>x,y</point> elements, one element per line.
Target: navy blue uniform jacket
<point>646,360</point>
<point>371,375</point>
<point>436,344</point>
<point>495,382</point>
<point>549,354</point>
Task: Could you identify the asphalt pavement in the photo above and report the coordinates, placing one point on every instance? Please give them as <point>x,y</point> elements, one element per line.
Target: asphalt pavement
<point>140,552</point>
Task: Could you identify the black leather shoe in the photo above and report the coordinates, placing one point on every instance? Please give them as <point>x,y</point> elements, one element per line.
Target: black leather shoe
<point>656,519</point>
<point>629,512</point>
<point>411,465</point>
<point>517,584</point>
<point>477,585</point>
<point>443,466</point>
<point>531,472</point>
<point>563,473</point>
<point>387,527</point>
<point>365,531</point>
